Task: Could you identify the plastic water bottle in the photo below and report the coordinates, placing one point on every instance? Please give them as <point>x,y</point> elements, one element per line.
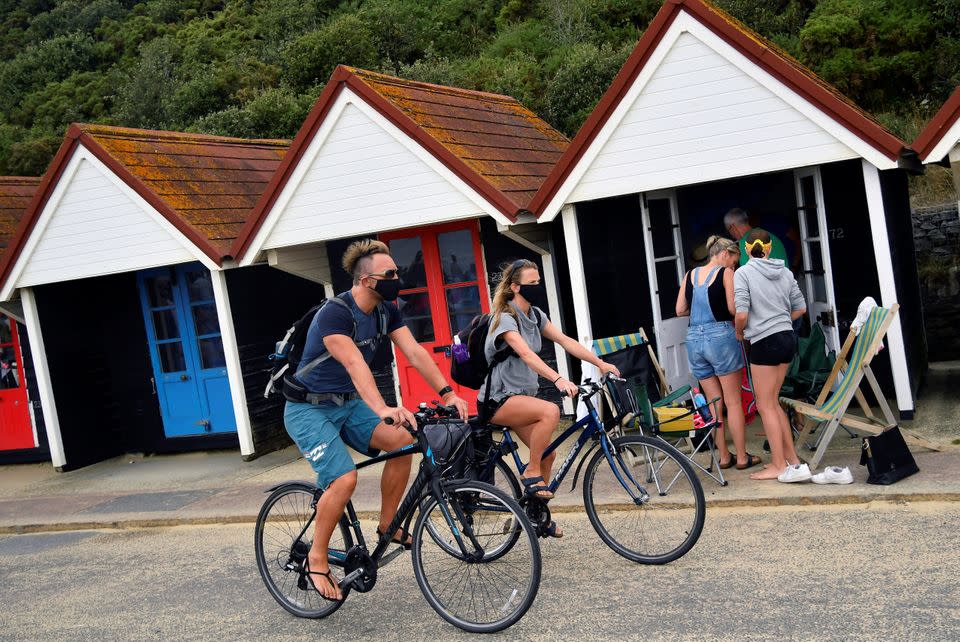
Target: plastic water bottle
<point>700,403</point>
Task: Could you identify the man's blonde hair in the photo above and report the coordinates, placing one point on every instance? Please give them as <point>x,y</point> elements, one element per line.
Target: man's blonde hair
<point>356,260</point>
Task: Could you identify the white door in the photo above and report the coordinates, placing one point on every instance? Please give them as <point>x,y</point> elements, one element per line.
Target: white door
<point>817,277</point>
<point>661,236</point>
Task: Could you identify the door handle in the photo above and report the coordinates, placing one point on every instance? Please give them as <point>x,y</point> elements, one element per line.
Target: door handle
<point>184,377</point>
<point>153,386</point>
<point>444,349</point>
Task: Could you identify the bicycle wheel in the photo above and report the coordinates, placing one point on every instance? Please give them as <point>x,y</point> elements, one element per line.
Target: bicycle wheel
<point>477,592</point>
<point>666,521</point>
<point>282,539</point>
<point>505,480</point>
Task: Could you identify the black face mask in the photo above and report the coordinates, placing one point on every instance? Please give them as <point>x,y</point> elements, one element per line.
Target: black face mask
<point>535,294</point>
<point>388,289</point>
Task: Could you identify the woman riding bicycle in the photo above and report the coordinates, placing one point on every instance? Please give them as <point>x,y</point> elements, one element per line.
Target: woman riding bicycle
<point>519,323</point>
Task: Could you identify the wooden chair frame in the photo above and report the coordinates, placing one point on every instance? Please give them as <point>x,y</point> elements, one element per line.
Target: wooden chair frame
<point>870,423</point>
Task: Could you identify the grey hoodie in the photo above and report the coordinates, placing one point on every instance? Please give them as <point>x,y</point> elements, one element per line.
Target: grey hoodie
<point>766,289</point>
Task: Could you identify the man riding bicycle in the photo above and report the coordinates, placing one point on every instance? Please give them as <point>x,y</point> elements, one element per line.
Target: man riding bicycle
<point>339,402</point>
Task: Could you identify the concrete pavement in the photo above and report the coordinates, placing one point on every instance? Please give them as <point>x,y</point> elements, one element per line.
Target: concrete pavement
<point>881,571</point>
<point>218,487</point>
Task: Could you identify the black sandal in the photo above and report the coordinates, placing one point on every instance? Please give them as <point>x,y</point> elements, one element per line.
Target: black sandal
<point>534,485</point>
<point>752,460</point>
<point>327,575</point>
<point>730,463</point>
<point>551,530</point>
<point>402,542</point>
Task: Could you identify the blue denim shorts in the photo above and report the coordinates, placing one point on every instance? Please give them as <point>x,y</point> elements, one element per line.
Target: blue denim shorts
<point>713,350</point>
<point>323,431</point>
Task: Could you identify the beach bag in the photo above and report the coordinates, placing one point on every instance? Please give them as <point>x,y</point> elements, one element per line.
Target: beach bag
<point>887,458</point>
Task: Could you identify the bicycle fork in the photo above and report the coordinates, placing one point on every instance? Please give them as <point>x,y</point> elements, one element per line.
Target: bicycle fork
<point>437,488</point>
<point>620,469</point>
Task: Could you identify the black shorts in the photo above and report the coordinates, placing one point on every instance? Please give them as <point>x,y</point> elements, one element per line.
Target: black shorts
<point>774,350</point>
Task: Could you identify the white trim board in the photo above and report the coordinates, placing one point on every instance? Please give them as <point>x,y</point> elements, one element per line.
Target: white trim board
<point>888,285</point>
<point>103,209</point>
<point>41,370</point>
<point>364,184</point>
<point>948,142</point>
<point>684,31</point>
<point>231,354</point>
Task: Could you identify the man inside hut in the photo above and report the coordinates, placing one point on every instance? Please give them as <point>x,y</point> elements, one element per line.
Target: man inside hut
<point>340,404</point>
<point>737,224</point>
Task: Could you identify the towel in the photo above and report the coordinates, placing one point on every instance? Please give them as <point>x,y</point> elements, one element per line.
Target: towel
<point>863,313</point>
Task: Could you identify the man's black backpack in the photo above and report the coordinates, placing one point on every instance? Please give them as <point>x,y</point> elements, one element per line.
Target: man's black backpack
<point>469,368</point>
<point>289,350</point>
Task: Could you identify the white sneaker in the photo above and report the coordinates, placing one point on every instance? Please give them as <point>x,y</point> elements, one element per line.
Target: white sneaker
<point>798,473</point>
<point>833,475</point>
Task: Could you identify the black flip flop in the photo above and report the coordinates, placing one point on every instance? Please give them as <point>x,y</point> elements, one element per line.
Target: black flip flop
<point>730,464</point>
<point>400,542</point>
<point>327,575</point>
<point>534,485</point>
<point>752,460</point>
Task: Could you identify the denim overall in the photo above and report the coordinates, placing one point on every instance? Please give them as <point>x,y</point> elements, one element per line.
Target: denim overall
<point>712,346</point>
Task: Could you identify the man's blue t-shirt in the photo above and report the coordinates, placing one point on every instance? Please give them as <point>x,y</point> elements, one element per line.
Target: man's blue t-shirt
<point>333,318</point>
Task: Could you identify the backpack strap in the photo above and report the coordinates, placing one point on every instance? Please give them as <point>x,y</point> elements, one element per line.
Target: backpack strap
<point>323,356</point>
<point>374,342</point>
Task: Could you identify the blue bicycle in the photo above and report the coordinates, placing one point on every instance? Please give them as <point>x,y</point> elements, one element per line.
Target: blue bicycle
<point>641,494</point>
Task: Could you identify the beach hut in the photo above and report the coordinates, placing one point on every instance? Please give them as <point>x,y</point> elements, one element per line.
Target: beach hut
<point>939,142</point>
<point>443,175</point>
<point>22,437</point>
<point>119,268</point>
<point>706,116</point>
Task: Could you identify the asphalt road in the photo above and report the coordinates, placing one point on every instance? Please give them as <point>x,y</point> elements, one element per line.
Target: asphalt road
<point>877,571</point>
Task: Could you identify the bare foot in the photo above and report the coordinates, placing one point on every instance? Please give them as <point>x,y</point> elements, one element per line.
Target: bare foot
<point>320,578</point>
<point>768,472</point>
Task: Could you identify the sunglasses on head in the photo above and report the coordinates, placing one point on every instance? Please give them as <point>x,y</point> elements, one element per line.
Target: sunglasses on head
<point>386,274</point>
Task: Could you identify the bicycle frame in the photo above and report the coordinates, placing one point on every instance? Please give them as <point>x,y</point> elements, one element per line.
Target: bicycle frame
<point>592,428</point>
<point>427,477</point>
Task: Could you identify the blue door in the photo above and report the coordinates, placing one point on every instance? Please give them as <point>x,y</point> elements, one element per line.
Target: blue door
<point>183,334</point>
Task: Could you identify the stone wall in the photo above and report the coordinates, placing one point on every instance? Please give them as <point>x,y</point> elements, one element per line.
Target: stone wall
<point>936,232</point>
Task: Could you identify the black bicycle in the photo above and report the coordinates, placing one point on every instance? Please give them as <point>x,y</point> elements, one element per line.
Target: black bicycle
<point>641,494</point>
<point>479,567</point>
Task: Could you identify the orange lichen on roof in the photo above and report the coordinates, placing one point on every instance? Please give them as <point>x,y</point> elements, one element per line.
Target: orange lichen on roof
<point>211,182</point>
<point>15,195</point>
<point>494,135</point>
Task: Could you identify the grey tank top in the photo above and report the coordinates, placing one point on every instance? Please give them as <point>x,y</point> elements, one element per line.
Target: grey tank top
<point>513,376</point>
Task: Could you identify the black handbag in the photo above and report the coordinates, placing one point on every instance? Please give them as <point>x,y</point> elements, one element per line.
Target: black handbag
<point>887,458</point>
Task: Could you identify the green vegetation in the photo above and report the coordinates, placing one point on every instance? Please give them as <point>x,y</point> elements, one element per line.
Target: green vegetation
<point>253,67</point>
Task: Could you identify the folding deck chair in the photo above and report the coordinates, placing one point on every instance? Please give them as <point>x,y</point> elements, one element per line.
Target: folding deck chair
<point>633,405</point>
<point>852,365</point>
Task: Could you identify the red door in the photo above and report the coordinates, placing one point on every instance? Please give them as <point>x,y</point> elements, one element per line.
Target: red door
<point>15,428</point>
<point>444,288</point>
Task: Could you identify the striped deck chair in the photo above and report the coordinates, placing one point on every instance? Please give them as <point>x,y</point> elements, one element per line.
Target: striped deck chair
<point>632,405</point>
<point>853,364</point>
